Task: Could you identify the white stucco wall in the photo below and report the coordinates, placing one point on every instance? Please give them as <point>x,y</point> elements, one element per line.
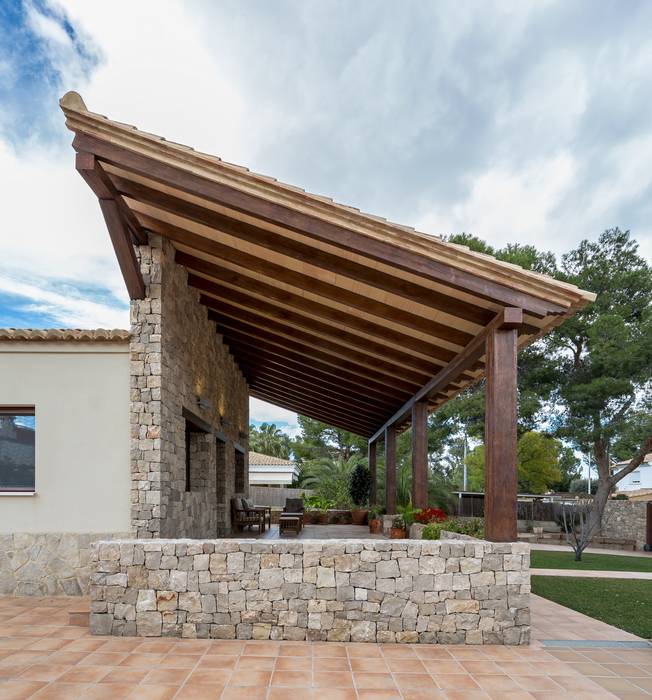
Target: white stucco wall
<point>81,395</point>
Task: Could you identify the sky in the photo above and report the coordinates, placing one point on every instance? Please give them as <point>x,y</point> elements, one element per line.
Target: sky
<point>526,121</point>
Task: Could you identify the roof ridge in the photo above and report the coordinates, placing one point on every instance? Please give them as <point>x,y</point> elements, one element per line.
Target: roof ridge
<point>65,334</point>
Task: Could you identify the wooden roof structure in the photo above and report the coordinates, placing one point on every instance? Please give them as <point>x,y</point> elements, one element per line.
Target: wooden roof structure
<point>330,312</point>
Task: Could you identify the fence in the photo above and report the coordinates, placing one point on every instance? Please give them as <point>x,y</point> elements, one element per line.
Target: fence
<point>275,496</point>
<point>473,506</point>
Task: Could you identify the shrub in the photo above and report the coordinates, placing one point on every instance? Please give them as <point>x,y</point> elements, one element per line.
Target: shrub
<point>474,527</point>
<point>360,485</point>
<point>621,497</point>
<point>432,531</point>
<point>398,522</point>
<point>375,513</point>
<point>430,515</point>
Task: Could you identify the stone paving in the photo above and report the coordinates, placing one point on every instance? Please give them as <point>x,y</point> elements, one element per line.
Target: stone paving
<point>42,656</point>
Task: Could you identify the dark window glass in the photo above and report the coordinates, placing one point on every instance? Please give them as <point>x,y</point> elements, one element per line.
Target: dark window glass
<point>17,430</point>
<point>239,472</point>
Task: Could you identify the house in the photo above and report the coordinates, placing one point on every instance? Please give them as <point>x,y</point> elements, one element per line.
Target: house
<point>265,470</point>
<point>639,479</point>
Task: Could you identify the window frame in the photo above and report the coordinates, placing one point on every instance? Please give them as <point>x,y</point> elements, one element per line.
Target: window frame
<point>20,410</point>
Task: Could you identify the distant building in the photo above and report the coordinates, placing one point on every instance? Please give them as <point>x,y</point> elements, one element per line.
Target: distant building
<point>640,478</point>
<point>265,470</point>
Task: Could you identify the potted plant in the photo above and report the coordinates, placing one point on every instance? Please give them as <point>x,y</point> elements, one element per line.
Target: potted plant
<point>359,488</point>
<point>397,531</point>
<point>375,520</point>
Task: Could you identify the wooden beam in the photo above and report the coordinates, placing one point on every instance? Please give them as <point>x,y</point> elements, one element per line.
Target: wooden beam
<point>89,169</point>
<point>390,469</point>
<point>505,319</point>
<point>501,475</point>
<point>302,353</point>
<point>420,454</point>
<point>373,492</point>
<point>339,264</point>
<point>98,180</point>
<point>260,312</point>
<point>338,352</point>
<point>291,362</point>
<point>317,228</point>
<point>303,281</point>
<point>310,411</point>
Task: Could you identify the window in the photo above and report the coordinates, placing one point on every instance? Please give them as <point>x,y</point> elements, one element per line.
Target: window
<point>196,451</point>
<point>239,471</point>
<point>17,448</point>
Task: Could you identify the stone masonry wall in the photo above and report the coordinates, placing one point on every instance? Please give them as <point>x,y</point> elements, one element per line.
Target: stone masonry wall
<point>177,357</point>
<point>625,519</point>
<point>452,592</point>
<point>47,564</point>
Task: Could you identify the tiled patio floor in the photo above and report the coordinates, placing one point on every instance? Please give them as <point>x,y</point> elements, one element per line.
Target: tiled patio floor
<point>42,657</point>
<point>321,532</point>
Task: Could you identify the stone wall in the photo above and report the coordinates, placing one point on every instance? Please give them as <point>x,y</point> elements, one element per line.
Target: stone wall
<point>451,592</point>
<point>176,358</point>
<point>625,519</point>
<point>47,564</point>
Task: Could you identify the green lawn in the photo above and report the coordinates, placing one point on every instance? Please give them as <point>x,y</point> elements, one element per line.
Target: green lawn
<point>623,603</point>
<point>541,559</point>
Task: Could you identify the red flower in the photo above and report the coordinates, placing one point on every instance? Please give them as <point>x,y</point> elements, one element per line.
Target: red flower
<point>431,515</point>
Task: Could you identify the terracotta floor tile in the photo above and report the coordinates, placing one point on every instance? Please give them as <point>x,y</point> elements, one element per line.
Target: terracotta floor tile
<point>14,643</point>
<point>406,666</point>
<point>443,666</point>
<point>510,695</point>
<point>61,691</point>
<point>626,670</point>
<point>256,663</point>
<point>423,694</point>
<point>123,674</point>
<point>406,681</point>
<point>190,646</point>
<point>329,650</point>
<point>618,685</point>
<point>25,657</point>
<point>398,651</point>
<point>537,683</point>
<point>85,645</point>
<point>244,693</point>
<point>47,644</point>
<point>12,670</point>
<point>217,676</point>
<point>261,649</point>
<point>481,667</point>
<point>200,692</point>
<point>247,677</point>
<point>68,658</point>
<point>181,660</point>
<point>287,649</point>
<point>226,648</point>
<point>281,693</point>
<point>644,683</point>
<point>322,664</point>
<point>576,683</point>
<point>138,660</point>
<point>44,672</point>
<point>379,694</point>
<point>332,679</point>
<point>455,681</point>
<point>293,663</point>
<point>467,653</point>
<point>517,668</point>
<point>155,646</point>
<point>292,678</point>
<point>206,662</point>
<point>19,690</point>
<point>84,674</point>
<point>369,665</point>
<point>364,651</point>
<point>124,645</point>
<point>153,692</point>
<point>555,668</point>
<point>491,682</point>
<point>432,652</point>
<point>468,695</point>
<point>98,658</point>
<point>374,680</point>
<point>334,694</point>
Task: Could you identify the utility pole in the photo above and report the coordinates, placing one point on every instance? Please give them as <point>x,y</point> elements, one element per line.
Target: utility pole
<point>464,469</point>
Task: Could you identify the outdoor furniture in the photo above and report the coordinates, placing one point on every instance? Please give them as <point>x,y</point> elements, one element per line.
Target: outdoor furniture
<point>265,510</point>
<point>294,505</point>
<point>242,516</point>
<point>290,523</point>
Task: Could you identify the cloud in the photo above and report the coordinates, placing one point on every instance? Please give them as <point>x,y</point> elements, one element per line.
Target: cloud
<point>263,412</point>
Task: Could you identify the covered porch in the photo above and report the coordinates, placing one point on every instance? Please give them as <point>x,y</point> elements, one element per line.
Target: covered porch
<point>324,310</point>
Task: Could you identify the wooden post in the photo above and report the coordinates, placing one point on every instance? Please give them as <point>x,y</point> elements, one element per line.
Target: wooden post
<point>420,454</point>
<point>390,469</point>
<point>372,473</point>
<point>501,477</point>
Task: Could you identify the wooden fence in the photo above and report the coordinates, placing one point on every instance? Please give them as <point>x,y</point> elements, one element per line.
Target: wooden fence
<point>275,496</point>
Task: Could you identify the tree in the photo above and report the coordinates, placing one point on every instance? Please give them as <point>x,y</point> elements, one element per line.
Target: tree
<point>269,440</point>
<point>360,485</point>
<point>595,369</point>
<point>330,478</point>
<point>538,463</point>
<point>318,440</point>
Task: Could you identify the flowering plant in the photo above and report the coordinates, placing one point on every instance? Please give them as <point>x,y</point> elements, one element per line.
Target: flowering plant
<point>430,515</point>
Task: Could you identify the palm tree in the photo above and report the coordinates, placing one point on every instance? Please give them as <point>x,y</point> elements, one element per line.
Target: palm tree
<point>330,477</point>
<point>269,440</point>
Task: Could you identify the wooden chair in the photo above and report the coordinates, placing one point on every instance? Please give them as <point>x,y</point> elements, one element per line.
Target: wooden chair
<point>242,517</point>
<point>294,507</point>
<point>265,510</point>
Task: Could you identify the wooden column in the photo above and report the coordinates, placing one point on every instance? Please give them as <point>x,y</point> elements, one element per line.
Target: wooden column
<point>372,473</point>
<point>420,454</point>
<point>390,469</point>
<point>500,436</point>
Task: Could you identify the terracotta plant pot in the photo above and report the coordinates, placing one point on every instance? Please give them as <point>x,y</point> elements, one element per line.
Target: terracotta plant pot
<point>358,516</point>
<point>375,526</point>
<point>322,518</point>
<point>397,533</point>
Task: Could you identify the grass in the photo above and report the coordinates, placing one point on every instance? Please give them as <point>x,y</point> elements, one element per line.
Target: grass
<point>623,603</point>
<point>540,559</point>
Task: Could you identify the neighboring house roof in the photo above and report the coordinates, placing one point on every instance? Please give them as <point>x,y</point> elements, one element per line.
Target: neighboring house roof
<point>96,335</point>
<point>268,460</point>
<point>647,458</point>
